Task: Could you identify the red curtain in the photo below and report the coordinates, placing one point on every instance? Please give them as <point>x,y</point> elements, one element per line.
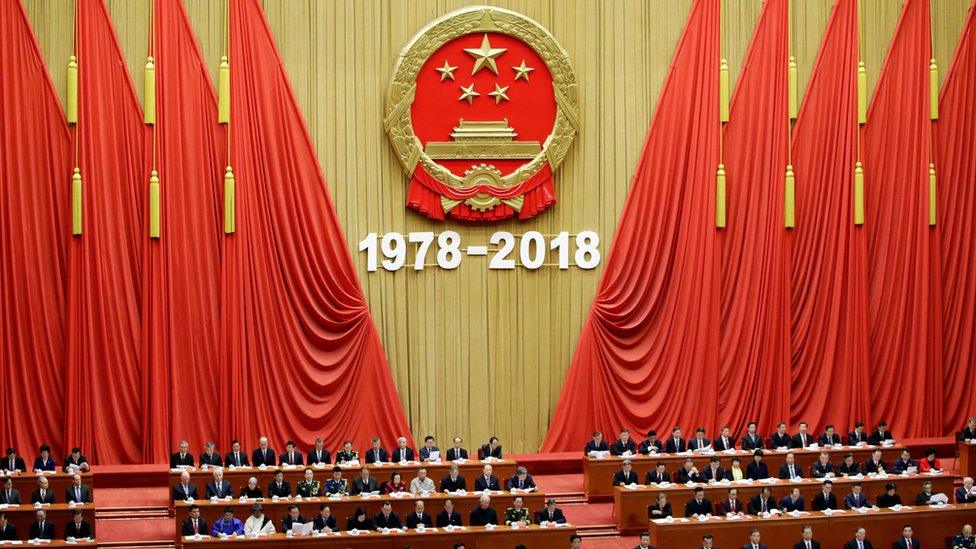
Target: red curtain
<point>182,270</point>
<point>34,176</point>
<point>829,277</point>
<point>955,151</point>
<point>755,329</point>
<point>904,310</point>
<point>102,384</point>
<point>301,353</point>
<point>652,336</point>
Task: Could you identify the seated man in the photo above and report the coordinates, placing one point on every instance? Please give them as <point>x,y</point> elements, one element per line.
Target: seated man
<point>660,508</point>
<point>386,518</point>
<point>402,452</point>
<point>453,481</point>
<point>44,462</point>
<point>925,495</point>
<point>319,455</point>
<point>860,540</point>
<point>41,528</point>
<point>698,505</point>
<point>228,525</point>
<point>793,502</point>
<point>699,442</point>
<point>625,476</point>
<point>364,483</point>
<point>752,440</point>
<point>428,448</point>
<point>77,527</point>
<point>858,436</point>
<point>486,481</point>
<point>193,525</point>
<point>657,475</point>
<point>802,439</point>
<point>875,464</point>
<point>419,516</point>
<point>906,541</point>
<point>687,473</point>
<point>650,444</point>
<point>624,445</point>
<point>714,471</point>
<point>308,487</point>
<point>969,431</point>
<point>359,520</point>
<point>210,457</point>
<point>675,444</point>
<point>258,523</point>
<point>930,463</point>
<point>43,493</point>
<point>790,469</point>
<point>551,514</point>
<point>182,457</point>
<point>185,489</point>
<point>291,456</point>
<point>376,453</point>
<point>645,541</point>
<point>904,463</point>
<point>449,517</point>
<point>517,513</point>
<point>757,470</point>
<point>9,495</point>
<point>735,471</point>
<point>263,454</point>
<point>965,494</point>
<point>251,490</point>
<point>456,452</point>
<point>806,539</point>
<point>422,483</point>
<point>964,539</point>
<point>763,502</point>
<point>325,522</point>
<point>483,514</point>
<point>725,440</point>
<point>75,461</point>
<point>856,499</point>
<point>822,467</point>
<point>77,492</point>
<point>279,486</point>
<point>236,457</point>
<point>492,450</point>
<point>849,467</point>
<point>522,480</point>
<point>596,444</point>
<point>825,499</point>
<point>829,437</point>
<point>335,485</point>
<point>14,462</point>
<point>218,487</point>
<point>780,439</point>
<point>292,519</point>
<point>347,454</point>
<point>8,532</point>
<point>889,498</point>
<point>881,434</point>
<point>730,505</point>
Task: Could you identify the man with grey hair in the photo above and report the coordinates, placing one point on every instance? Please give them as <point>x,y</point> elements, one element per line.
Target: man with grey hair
<point>185,489</point>
<point>376,453</point>
<point>486,481</point>
<point>522,480</point>
<point>453,481</point>
<point>422,483</point>
<point>264,454</point>
<point>964,494</point>
<point>182,458</point>
<point>402,452</point>
<point>210,458</point>
<point>483,514</point>
<point>219,488</point>
<point>318,455</point>
<point>258,523</point>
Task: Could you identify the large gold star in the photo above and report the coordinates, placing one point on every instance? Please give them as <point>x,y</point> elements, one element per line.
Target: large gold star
<point>468,93</point>
<point>522,71</point>
<point>485,56</point>
<point>447,71</point>
<point>499,94</point>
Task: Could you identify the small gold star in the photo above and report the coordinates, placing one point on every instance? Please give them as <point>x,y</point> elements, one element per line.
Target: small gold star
<point>522,71</point>
<point>485,56</point>
<point>447,71</point>
<point>499,94</point>
<point>468,93</point>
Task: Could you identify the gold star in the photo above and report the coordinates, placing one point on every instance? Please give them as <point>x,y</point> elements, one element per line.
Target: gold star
<point>447,71</point>
<point>499,93</point>
<point>522,71</point>
<point>468,93</point>
<point>485,56</point>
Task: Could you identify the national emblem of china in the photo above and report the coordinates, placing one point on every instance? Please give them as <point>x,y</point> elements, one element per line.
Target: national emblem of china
<point>481,111</point>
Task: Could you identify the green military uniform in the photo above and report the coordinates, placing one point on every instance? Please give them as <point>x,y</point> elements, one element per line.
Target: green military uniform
<point>308,488</point>
<point>517,515</point>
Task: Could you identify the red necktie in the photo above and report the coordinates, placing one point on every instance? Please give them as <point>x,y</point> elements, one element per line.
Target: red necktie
<point>196,527</point>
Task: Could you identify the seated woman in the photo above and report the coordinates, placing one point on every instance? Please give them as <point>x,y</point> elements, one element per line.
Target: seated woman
<point>930,463</point>
<point>661,508</point>
<point>889,498</point>
<point>359,520</point>
<point>252,490</point>
<point>395,484</point>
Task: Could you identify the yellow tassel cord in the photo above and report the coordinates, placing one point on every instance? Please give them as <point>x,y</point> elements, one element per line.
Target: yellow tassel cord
<point>76,198</point>
<point>223,92</point>
<point>794,89</point>
<point>154,205</point>
<point>149,111</point>
<point>789,208</point>
<point>858,194</point>
<point>71,102</point>
<point>932,196</point>
<point>723,91</point>
<point>933,90</point>
<point>720,216</point>
<point>230,205</point>
<point>862,93</point>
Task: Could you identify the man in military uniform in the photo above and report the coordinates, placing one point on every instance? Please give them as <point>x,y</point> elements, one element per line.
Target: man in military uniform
<point>965,539</point>
<point>517,514</point>
<point>336,484</point>
<point>308,487</point>
<point>346,454</point>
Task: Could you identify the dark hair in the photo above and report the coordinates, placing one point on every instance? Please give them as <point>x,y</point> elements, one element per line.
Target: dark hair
<point>229,509</point>
<point>699,489</point>
<point>930,451</point>
<point>428,437</point>
<point>645,534</point>
<point>652,433</point>
<point>890,486</point>
<point>359,511</point>
<point>76,450</point>
<point>859,424</point>
<point>492,439</point>
<point>290,507</point>
<point>828,481</point>
<point>289,443</point>
<point>11,451</point>
<point>597,433</point>
<point>758,452</point>
<point>882,423</point>
<point>827,428</point>
<point>235,441</point>
<point>192,507</point>
<point>44,448</point>
<point>700,430</point>
<point>322,507</point>
<point>753,531</point>
<point>750,424</point>
<point>848,455</point>
<point>278,472</point>
<point>660,463</point>
<point>715,459</point>
<point>805,527</point>
<point>707,536</point>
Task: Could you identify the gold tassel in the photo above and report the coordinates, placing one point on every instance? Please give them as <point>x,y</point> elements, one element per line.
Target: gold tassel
<point>932,196</point>
<point>933,90</point>
<point>154,205</point>
<point>790,196</point>
<point>862,93</point>
<point>223,92</point>
<point>230,205</point>
<point>76,202</point>
<point>723,91</point>
<point>71,102</point>
<point>858,194</point>
<point>794,89</point>
<point>149,111</point>
<point>720,197</point>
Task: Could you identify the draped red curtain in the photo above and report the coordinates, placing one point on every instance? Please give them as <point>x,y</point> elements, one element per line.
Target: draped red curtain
<point>34,173</point>
<point>651,339</point>
<point>181,292</point>
<point>904,310</point>
<point>754,356</point>
<point>301,353</point>
<point>829,253</point>
<point>955,151</point>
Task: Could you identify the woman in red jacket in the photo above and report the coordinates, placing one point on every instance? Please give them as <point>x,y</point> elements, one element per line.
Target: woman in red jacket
<point>930,463</point>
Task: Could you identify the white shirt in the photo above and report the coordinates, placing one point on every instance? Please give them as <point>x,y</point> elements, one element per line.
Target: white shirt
<point>426,485</point>
<point>253,525</point>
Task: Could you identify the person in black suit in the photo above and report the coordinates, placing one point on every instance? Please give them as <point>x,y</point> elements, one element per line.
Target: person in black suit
<point>660,508</point>
<point>376,452</point>
<point>650,444</point>
<point>218,487</point>
<point>802,439</point>
<point>624,444</point>
<point>757,470</point>
<point>848,467</point>
<point>264,454</point>
<point>522,480</point>
<point>453,481</point>
<point>725,440</point>
<point>359,520</point>
<point>645,541</point>
<point>185,489</point>
<point>675,443</point>
<point>881,434</point>
<point>77,492</point>
<point>822,467</point>
<point>487,481</point>
<point>969,431</point>
<point>889,498</point>
<point>8,532</point>
<point>964,494</point>
<point>182,457</point>
<point>754,540</point>
<point>483,514</point>
<point>43,493</point>
<point>419,516</point>
<point>698,505</point>
<point>402,451</point>
<point>293,517</point>
<point>790,469</point>
<point>251,490</point>
<point>780,439</point>
<point>279,486</point>
<point>699,442</point>
<point>364,483</point>
<point>825,499</point>
<point>193,524</point>
<point>763,502</point>
<point>860,540</point>
<point>625,475</point>
<point>9,495</point>
<point>793,502</point>
<point>858,435</point>
<point>318,454</point>
<point>708,542</point>
<point>904,462</point>
<point>325,520</point>
<point>688,473</point>
<point>752,440</point>
<point>14,462</point>
<point>550,514</point>
<point>236,457</point>
<point>210,457</point>
<point>714,471</point>
<point>44,462</point>
<point>77,528</point>
<point>806,539</point>
<point>75,460</point>
<point>448,516</point>
<point>457,452</point>
<point>829,437</point>
<point>291,456</point>
<point>875,464</point>
<point>41,528</point>
<point>659,474</point>
<point>492,449</point>
<point>906,541</point>
<point>925,495</point>
<point>730,505</point>
<point>856,499</point>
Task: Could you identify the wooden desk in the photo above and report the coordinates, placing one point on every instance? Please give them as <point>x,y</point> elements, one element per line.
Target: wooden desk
<point>55,543</point>
<point>345,507</point>
<point>630,506</point>
<point>60,514</point>
<point>967,458</point>
<point>883,526</point>
<point>473,537</point>
<point>26,483</point>
<point>598,473</point>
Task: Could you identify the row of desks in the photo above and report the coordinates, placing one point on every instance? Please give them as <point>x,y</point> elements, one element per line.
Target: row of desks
<point>967,458</point>
<point>473,537</point>
<point>883,526</point>
<point>26,483</point>
<point>598,472</point>
<point>630,505</point>
<point>344,507</point>
<point>58,514</point>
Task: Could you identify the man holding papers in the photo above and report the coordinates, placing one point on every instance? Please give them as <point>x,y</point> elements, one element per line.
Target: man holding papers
<point>429,452</point>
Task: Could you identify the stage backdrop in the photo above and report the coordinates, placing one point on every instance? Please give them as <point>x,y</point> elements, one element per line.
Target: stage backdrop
<point>477,352</point>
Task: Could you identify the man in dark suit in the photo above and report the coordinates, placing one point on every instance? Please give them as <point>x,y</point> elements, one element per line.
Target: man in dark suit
<point>875,464</point>
<point>218,487</point>
<point>551,514</point>
<point>14,462</point>
<point>856,499</point>
<point>752,440</point>
<point>487,481</point>
<point>483,514</point>
<point>806,539</point>
<point>802,439</point>
<point>263,454</point>
<point>453,481</point>
<point>293,517</point>
<point>77,528</point>
<point>822,467</point>
<point>763,502</point>
<point>699,442</point>
<point>964,494</point>
<point>43,493</point>
<point>77,492</point>
<point>969,431</point>
<point>825,499</point>
<point>625,476</point>
<point>596,444</point>
<point>858,435</point>
<point>650,444</point>
<point>906,541</point>
<point>210,457</point>
<point>848,467</point>
<point>491,450</point>
<point>698,505</point>
<point>675,443</point>
<point>457,452</point>
<point>925,495</point>
<point>645,541</point>
<point>318,454</point>
<point>193,524</point>
<point>658,474</point>
<point>730,505</point>
<point>708,542</point>
<point>376,452</point>
<point>10,496</point>
<point>860,540</point>
<point>44,462</point>
<point>279,486</point>
<point>448,516</point>
<point>291,456</point>
<point>793,502</point>
<point>41,528</point>
<point>780,439</point>
<point>236,457</point>
<point>75,460</point>
<point>419,516</point>
<point>829,437</point>
<point>185,490</point>
<point>725,440</point>
<point>182,457</point>
<point>522,480</point>
<point>8,532</point>
<point>754,540</point>
<point>688,473</point>
<point>757,470</point>
<point>714,471</point>
<point>402,451</point>
<point>881,434</point>
<point>790,469</point>
<point>364,483</point>
<point>624,444</point>
<point>428,449</point>
<point>903,463</point>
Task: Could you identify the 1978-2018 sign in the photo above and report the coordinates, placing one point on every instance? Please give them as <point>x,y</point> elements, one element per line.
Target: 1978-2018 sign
<point>393,250</point>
